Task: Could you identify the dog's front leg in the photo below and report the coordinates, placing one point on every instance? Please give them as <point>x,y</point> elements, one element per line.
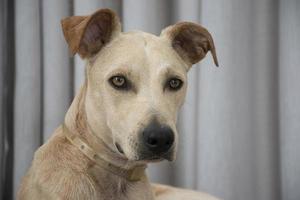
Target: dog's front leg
<point>163,192</point>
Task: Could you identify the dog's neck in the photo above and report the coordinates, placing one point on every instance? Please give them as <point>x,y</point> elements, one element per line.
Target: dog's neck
<point>112,186</point>
<point>76,122</point>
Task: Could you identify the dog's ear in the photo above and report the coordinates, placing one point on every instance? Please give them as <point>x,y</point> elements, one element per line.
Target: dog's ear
<point>86,35</point>
<point>191,41</point>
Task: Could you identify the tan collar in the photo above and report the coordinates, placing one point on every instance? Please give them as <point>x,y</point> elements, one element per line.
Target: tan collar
<point>135,174</point>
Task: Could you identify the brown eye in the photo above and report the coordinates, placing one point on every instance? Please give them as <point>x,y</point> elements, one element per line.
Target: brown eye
<point>174,84</point>
<point>119,82</point>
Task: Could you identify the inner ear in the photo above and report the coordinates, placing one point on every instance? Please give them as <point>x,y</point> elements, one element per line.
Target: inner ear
<point>87,35</point>
<point>194,44</point>
<point>97,33</point>
<point>191,41</point>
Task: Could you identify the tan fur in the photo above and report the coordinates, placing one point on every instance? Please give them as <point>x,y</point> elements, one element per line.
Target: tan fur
<point>103,116</point>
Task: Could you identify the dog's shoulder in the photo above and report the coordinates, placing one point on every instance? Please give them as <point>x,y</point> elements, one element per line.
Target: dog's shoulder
<point>59,152</point>
<point>60,169</point>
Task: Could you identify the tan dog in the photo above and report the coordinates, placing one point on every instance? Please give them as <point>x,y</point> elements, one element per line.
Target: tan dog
<point>124,115</point>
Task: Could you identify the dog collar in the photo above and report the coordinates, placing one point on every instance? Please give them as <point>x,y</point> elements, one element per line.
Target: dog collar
<point>135,174</point>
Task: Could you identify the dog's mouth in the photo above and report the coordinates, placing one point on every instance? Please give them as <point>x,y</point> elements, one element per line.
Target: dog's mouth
<point>150,157</point>
<point>119,148</point>
<point>154,159</point>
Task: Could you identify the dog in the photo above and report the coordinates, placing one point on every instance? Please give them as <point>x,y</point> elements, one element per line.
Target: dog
<point>124,115</point>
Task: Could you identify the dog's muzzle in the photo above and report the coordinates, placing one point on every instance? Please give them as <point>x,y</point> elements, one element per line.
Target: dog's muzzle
<point>157,142</point>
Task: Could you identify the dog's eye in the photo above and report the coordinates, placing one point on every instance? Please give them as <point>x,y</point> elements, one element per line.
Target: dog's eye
<point>174,84</point>
<point>119,82</point>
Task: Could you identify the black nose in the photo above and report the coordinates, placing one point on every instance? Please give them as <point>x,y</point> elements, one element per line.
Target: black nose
<point>158,138</point>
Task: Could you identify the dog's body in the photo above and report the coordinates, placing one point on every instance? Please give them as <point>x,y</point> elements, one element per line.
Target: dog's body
<point>125,113</point>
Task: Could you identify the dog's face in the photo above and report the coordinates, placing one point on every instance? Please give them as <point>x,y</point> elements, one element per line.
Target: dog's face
<point>136,82</point>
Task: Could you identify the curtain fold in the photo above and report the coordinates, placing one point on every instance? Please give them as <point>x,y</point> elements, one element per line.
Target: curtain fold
<point>239,128</point>
<point>238,107</point>
<point>2,88</point>
<point>28,85</point>
<point>6,98</point>
<point>57,65</point>
<point>289,98</point>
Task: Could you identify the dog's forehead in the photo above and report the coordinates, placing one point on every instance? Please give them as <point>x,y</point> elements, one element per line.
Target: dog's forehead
<point>139,50</point>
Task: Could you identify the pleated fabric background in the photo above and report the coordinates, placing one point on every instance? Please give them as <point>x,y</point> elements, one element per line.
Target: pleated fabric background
<point>239,127</point>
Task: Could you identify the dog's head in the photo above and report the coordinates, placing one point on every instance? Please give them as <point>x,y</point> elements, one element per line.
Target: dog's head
<point>136,82</point>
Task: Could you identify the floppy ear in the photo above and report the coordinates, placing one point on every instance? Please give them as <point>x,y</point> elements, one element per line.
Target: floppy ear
<point>86,35</point>
<point>191,41</point>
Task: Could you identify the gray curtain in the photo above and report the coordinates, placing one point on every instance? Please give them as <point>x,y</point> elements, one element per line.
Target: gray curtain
<point>239,127</point>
